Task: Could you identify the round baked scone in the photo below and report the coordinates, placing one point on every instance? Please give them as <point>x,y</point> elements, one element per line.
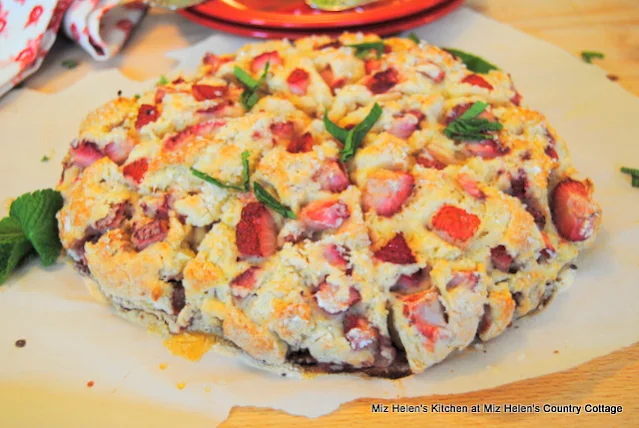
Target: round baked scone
<point>324,207</point>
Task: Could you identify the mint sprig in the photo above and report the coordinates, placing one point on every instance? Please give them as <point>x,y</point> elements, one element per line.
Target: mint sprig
<point>362,49</point>
<point>250,96</point>
<point>469,127</point>
<point>31,225</point>
<point>269,200</point>
<point>588,56</point>
<point>352,138</point>
<point>245,187</point>
<point>634,174</point>
<point>413,37</point>
<point>473,62</point>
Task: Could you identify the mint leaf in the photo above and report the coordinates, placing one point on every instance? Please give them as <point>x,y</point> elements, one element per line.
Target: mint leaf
<point>339,133</point>
<point>269,200</point>
<point>470,127</point>
<point>414,38</point>
<point>362,49</point>
<point>163,81</point>
<point>356,135</point>
<point>35,212</point>
<point>246,172</point>
<point>245,187</point>
<point>250,95</point>
<point>473,62</point>
<point>69,63</point>
<point>588,56</point>
<point>474,110</point>
<point>245,78</point>
<point>634,174</point>
<point>14,246</point>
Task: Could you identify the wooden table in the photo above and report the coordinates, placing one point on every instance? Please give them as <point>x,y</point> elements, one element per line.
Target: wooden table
<point>608,26</point>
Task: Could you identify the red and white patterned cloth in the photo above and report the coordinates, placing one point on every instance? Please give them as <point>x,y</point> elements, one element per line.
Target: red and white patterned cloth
<point>28,29</point>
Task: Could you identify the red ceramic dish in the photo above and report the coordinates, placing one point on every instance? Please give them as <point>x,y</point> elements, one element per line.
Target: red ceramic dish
<point>296,14</point>
<point>383,28</point>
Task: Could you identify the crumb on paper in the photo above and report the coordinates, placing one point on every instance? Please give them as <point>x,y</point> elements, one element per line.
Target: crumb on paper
<point>479,346</point>
<point>21,343</point>
<point>69,63</point>
<point>163,366</point>
<point>191,346</point>
<point>181,385</point>
<point>612,77</point>
<point>90,384</point>
<point>207,389</point>
<point>555,351</point>
<point>521,357</point>
<point>45,158</point>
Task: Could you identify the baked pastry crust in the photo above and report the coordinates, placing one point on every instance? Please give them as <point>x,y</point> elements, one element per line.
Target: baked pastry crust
<point>412,249</point>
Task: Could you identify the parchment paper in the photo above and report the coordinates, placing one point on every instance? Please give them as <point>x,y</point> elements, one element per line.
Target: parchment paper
<point>72,339</point>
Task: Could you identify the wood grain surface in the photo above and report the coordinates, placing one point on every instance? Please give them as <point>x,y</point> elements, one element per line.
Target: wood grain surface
<point>608,26</point>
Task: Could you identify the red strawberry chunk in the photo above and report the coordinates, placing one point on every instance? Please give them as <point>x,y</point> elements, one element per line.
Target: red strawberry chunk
<point>214,62</point>
<point>477,80</point>
<point>329,298</point>
<point>485,149</point>
<point>298,81</point>
<point>150,233</point>
<point>301,144</point>
<point>548,252</point>
<point>386,191</point>
<point>516,99</point>
<point>455,224</point>
<point>411,283</point>
<point>201,129</point>
<point>259,62</point>
<point>404,126</point>
<point>256,234</point>
<point>336,256</point>
<point>426,313</point>
<point>432,71</point>
<point>332,177</point>
<point>359,332</point>
<point>463,279</point>
<point>283,130</point>
<point>573,212</point>
<point>396,251</point>
<point>146,114</point>
<point>383,81</point>
<point>470,186</point>
<point>119,152</point>
<point>501,259</point>
<point>208,92</point>
<point>324,214</point>
<point>329,78</point>
<point>136,170</point>
<point>114,219</point>
<point>85,154</point>
<point>372,64</point>
<point>427,160</point>
<point>243,284</point>
<point>335,44</point>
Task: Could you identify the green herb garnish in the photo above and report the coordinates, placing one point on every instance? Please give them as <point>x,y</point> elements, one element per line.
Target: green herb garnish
<point>473,62</point>
<point>245,175</point>
<point>136,96</point>
<point>362,49</point>
<point>163,81</point>
<point>250,95</point>
<point>634,174</point>
<point>45,158</point>
<point>414,38</point>
<point>588,56</point>
<point>269,200</point>
<point>470,127</point>
<point>352,138</point>
<point>69,63</point>
<point>31,226</point>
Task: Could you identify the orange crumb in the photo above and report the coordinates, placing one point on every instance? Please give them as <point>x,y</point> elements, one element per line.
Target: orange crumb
<point>163,366</point>
<point>90,383</point>
<point>207,389</point>
<point>555,351</point>
<point>181,385</point>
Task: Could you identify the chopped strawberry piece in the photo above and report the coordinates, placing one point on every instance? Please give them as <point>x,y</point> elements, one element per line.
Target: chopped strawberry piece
<point>158,208</point>
<point>404,126</point>
<point>516,99</point>
<point>470,186</point>
<point>283,130</point>
<point>150,233</point>
<point>477,80</point>
<point>136,170</point>
<point>501,259</point>
<point>432,71</point>
<point>329,78</point>
<point>329,298</point>
<point>324,214</point>
<point>485,149</point>
<point>383,81</point>
<point>332,177</point>
<point>386,191</point>
<point>160,93</point>
<point>256,234</point>
<point>301,144</point>
<point>208,92</point>
<point>214,62</point>
<point>463,279</point>
<point>411,283</point>
<point>426,160</point>
<point>396,251</point>
<point>243,284</point>
<point>146,114</point>
<point>359,332</point>
<point>119,152</point>
<point>551,153</point>
<point>548,252</point>
<point>114,219</point>
<point>201,129</point>
<point>426,313</point>
<point>178,81</point>
<point>298,81</point>
<point>335,44</point>
<point>336,256</point>
<point>372,64</point>
<point>85,154</point>
<point>520,189</point>
<point>454,224</point>
<point>573,212</point>
<point>259,62</point>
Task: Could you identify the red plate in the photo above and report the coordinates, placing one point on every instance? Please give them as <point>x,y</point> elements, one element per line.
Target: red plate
<point>383,29</point>
<point>296,14</point>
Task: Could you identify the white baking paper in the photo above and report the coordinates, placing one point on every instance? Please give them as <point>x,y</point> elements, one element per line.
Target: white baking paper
<point>72,339</point>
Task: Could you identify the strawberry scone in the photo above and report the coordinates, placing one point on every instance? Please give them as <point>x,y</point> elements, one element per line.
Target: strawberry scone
<point>328,205</point>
